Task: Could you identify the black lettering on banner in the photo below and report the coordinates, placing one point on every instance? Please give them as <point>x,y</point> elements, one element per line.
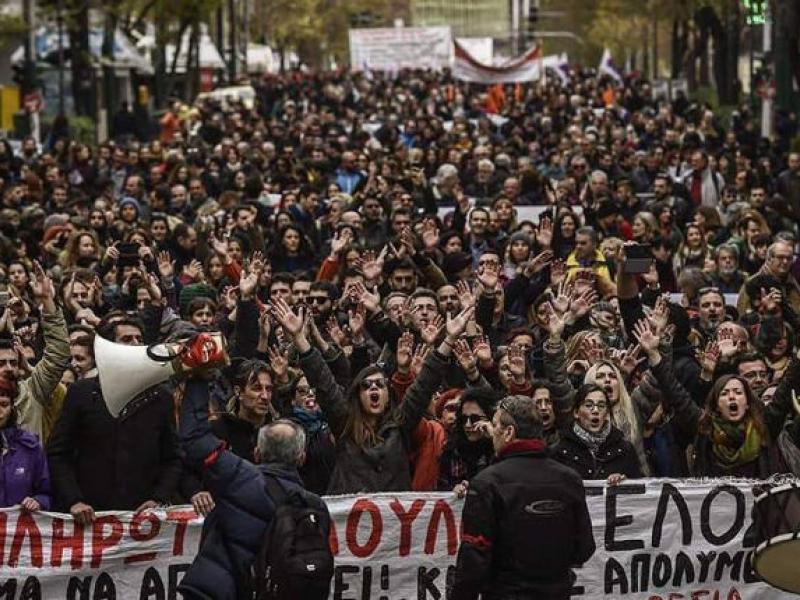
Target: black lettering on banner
<point>669,491</point>
<point>613,521</point>
<point>748,574</point>
<point>426,582</point>
<point>80,586</point>
<point>705,513</point>
<point>339,584</point>
<point>684,570</point>
<point>594,490</point>
<point>705,558</point>
<point>152,586</point>
<point>725,560</point>
<point>640,572</point>
<point>449,580</point>
<point>104,588</point>
<point>175,575</point>
<point>9,589</point>
<point>31,589</point>
<point>366,583</point>
<point>384,581</point>
<point>615,576</point>
<point>662,570</point>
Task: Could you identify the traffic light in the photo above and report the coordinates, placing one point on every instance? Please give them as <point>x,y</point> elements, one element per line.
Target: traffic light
<point>532,19</point>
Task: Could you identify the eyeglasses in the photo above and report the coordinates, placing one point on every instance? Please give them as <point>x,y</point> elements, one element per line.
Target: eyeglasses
<point>368,384</point>
<point>759,374</point>
<point>591,405</point>
<point>473,419</point>
<point>304,391</point>
<point>317,299</point>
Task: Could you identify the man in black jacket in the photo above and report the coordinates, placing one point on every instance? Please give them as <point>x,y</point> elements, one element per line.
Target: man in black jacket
<point>98,462</point>
<point>234,532</point>
<point>526,523</point>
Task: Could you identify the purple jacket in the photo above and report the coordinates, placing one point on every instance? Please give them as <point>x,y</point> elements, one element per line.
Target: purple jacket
<point>23,468</point>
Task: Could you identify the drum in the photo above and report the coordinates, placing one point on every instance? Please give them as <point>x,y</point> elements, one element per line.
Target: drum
<point>776,516</point>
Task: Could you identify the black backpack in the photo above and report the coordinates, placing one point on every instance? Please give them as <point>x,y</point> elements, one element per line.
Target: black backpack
<point>295,560</point>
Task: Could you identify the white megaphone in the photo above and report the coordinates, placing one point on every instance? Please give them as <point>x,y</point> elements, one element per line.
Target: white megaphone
<point>127,371</point>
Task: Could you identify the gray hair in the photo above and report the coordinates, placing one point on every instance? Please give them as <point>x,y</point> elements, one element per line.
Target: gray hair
<point>445,171</point>
<point>774,246</point>
<point>486,164</point>
<point>276,444</point>
<point>521,413</point>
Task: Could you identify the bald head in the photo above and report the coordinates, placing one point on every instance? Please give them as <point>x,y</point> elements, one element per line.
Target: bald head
<point>281,441</point>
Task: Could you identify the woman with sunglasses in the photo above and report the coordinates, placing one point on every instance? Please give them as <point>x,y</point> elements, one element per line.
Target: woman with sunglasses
<point>467,450</point>
<point>373,436</point>
<point>593,446</point>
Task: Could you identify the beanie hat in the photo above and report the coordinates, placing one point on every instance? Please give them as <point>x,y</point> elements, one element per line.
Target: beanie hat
<point>443,399</point>
<point>520,236</point>
<point>195,290</point>
<point>129,200</point>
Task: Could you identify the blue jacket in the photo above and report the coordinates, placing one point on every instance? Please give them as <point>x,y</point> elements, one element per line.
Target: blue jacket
<point>24,469</point>
<point>234,531</point>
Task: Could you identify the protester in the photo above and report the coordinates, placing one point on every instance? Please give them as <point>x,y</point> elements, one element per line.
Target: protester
<point>525,521</point>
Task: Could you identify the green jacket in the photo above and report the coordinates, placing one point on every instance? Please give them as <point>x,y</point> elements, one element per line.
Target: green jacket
<point>41,395</point>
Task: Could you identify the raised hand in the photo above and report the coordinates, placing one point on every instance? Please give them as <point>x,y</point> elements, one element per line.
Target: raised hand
<point>430,236</point>
<point>219,245</point>
<point>646,337</point>
<point>465,295</point>
<point>357,318</point>
<point>248,282</point>
<point>544,235</point>
<point>630,359</point>
<point>561,301</point>
<point>408,240</point>
<point>420,352</point>
<point>166,266</point>
<point>430,332</point>
<point>372,265</point>
<point>293,324</point>
<point>372,301</point>
<point>465,357</point>
<point>554,323</point>
<point>341,240</point>
<point>405,348</point>
<point>457,324</point>
<point>659,316</point>
<point>538,263</point>
<point>279,361</point>
<point>593,349</point>
<point>488,276</point>
<point>558,271</point>
<point>482,350</point>
<point>336,333</point>
<point>581,303</point>
<point>709,358</point>
<point>194,270</point>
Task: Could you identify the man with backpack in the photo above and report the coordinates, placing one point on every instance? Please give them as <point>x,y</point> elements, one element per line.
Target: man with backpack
<point>267,537</point>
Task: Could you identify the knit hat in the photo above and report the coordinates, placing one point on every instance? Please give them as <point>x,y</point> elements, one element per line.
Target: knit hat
<point>53,232</point>
<point>53,220</point>
<point>443,399</point>
<point>519,236</point>
<point>129,200</point>
<point>192,291</point>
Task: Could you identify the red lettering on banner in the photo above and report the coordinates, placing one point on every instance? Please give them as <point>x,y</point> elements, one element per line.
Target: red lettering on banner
<point>361,506</point>
<point>61,542</point>
<point>698,595</point>
<point>442,509</point>
<point>333,539</point>
<point>182,518</point>
<point>26,527</point>
<point>734,594</point>
<point>406,519</point>
<point>3,521</point>
<point>101,543</point>
<point>143,536</point>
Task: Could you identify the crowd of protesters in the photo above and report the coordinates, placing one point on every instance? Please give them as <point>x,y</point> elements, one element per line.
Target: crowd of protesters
<point>361,244</point>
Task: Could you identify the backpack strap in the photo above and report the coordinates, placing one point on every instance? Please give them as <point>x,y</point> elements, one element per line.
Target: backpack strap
<point>275,490</point>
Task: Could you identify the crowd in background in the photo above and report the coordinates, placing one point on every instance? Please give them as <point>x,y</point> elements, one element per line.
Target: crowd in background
<point>387,258</point>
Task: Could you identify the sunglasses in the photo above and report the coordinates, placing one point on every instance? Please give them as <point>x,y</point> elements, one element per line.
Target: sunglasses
<point>473,419</point>
<point>317,299</point>
<point>367,384</point>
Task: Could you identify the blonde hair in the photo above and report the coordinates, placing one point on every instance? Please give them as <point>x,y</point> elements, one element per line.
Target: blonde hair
<point>623,412</point>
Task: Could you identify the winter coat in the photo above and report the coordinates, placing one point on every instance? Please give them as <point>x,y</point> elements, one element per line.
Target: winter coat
<point>385,466</point>
<point>234,531</point>
<point>38,403</point>
<point>525,525</point>
<point>114,464</point>
<point>24,469</point>
<point>615,455</point>
<point>687,414</point>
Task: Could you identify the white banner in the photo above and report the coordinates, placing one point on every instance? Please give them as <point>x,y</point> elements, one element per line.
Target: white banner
<point>393,48</point>
<point>526,67</point>
<point>656,540</point>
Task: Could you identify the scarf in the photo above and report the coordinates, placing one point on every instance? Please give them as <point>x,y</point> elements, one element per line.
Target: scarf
<point>312,422</point>
<point>734,444</point>
<point>592,440</point>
